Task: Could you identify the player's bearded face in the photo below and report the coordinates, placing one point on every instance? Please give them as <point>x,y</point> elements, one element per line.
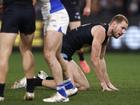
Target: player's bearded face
<point>119,29</point>
<point>115,33</point>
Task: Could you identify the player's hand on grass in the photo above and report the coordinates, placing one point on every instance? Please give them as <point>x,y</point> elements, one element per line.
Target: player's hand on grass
<point>105,87</point>
<point>111,86</point>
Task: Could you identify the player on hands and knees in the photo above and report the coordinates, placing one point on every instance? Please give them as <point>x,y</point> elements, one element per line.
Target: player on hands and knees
<point>96,35</point>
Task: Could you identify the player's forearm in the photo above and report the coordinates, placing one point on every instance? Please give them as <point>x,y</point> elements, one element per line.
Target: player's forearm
<point>104,70</point>
<point>97,66</point>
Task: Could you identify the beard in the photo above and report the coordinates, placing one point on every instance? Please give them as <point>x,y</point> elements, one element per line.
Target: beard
<point>114,35</point>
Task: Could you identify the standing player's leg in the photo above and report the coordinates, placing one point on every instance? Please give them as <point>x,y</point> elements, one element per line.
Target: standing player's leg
<point>52,42</point>
<point>27,29</point>
<point>28,63</point>
<point>6,45</point>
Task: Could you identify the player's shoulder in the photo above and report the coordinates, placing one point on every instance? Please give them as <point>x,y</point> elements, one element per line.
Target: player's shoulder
<point>98,31</point>
<point>98,28</point>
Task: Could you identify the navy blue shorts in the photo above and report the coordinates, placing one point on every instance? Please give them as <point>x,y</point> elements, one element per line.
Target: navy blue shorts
<point>73,8</point>
<point>18,18</point>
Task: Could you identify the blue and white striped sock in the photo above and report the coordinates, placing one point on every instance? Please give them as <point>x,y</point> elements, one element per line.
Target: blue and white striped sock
<point>68,84</point>
<point>61,90</point>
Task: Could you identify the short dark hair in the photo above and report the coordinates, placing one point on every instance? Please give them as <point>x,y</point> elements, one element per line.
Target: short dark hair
<point>119,18</point>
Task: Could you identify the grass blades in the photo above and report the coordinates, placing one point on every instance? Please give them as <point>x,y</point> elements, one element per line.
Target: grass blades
<point>123,69</point>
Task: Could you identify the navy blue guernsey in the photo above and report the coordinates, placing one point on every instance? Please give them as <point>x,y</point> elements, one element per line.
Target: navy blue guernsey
<point>77,38</point>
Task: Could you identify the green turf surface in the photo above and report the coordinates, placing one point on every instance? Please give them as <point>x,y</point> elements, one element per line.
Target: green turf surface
<point>123,69</point>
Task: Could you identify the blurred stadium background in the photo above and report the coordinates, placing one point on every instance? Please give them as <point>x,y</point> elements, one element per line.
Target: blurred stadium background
<point>103,11</point>
<point>123,66</point>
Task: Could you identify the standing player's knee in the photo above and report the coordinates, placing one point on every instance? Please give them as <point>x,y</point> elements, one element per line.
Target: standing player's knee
<point>59,57</point>
<point>25,49</point>
<point>49,55</point>
<point>4,55</point>
<point>3,62</point>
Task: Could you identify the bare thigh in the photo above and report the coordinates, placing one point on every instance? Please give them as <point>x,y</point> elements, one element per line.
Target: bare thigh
<point>52,41</point>
<point>6,44</point>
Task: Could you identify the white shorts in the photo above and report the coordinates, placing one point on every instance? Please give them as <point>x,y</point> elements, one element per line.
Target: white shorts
<point>56,21</point>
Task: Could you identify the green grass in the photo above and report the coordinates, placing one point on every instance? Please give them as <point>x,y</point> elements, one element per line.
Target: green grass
<point>123,69</point>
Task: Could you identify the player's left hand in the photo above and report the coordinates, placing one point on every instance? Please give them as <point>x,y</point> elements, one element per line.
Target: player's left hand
<point>105,87</point>
<point>111,86</point>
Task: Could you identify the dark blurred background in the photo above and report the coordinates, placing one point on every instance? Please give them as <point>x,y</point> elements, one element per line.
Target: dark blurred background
<point>103,11</point>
